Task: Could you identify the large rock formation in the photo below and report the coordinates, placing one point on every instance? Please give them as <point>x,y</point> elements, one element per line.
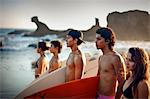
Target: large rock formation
<point>43,29</point>
<point>90,34</point>
<point>130,25</point>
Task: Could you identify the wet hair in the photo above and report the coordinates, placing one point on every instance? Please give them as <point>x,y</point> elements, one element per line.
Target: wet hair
<point>108,35</point>
<point>141,59</point>
<point>42,45</point>
<point>75,34</point>
<point>57,44</point>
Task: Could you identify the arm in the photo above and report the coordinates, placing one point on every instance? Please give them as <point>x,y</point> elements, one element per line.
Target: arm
<point>78,62</point>
<point>142,90</point>
<point>41,66</point>
<point>119,67</point>
<point>98,73</point>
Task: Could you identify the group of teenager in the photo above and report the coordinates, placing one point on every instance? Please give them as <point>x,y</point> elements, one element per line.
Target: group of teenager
<point>119,77</point>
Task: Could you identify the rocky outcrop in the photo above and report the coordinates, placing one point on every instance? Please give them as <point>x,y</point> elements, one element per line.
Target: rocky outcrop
<point>90,34</point>
<point>19,31</point>
<point>43,29</point>
<point>1,44</point>
<point>130,25</point>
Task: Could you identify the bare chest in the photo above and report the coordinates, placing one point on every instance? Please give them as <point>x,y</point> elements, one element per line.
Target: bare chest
<point>106,65</point>
<point>70,61</point>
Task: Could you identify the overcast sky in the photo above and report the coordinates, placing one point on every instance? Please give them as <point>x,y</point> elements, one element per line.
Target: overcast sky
<point>63,14</point>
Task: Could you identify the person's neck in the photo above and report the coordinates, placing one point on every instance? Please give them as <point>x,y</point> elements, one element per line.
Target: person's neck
<point>107,50</point>
<point>55,54</point>
<point>42,53</point>
<point>74,48</point>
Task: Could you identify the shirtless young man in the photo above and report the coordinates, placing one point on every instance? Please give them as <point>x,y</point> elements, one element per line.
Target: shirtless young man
<point>55,62</point>
<point>111,65</point>
<point>75,62</point>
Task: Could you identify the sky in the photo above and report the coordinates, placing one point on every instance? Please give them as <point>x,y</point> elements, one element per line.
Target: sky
<point>63,14</point>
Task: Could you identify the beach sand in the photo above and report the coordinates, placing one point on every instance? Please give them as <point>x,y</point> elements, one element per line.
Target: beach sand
<point>91,68</point>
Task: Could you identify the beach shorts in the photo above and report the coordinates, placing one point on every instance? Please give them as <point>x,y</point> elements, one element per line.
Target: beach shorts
<point>105,97</point>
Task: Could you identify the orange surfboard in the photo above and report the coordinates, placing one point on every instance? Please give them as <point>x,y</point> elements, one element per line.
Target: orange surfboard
<point>81,88</point>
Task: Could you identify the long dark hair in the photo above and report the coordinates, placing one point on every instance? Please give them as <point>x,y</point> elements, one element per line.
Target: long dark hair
<point>141,59</point>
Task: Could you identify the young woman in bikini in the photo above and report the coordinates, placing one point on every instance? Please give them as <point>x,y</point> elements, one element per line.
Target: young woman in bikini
<point>42,63</point>
<point>137,85</point>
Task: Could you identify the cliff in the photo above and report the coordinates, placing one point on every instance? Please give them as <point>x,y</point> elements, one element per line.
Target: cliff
<point>130,25</point>
<point>43,29</point>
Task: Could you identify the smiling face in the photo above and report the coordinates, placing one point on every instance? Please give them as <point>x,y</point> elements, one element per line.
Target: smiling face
<point>100,42</point>
<point>129,62</point>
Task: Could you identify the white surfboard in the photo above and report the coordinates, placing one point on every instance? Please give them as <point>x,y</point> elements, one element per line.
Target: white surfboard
<point>45,81</point>
<point>48,80</point>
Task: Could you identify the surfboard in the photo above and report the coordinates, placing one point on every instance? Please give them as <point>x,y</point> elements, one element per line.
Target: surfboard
<point>57,77</point>
<point>47,80</point>
<point>81,88</point>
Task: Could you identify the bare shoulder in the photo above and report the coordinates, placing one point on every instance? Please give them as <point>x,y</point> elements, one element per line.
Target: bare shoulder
<point>142,90</point>
<point>44,59</point>
<point>118,63</point>
<point>116,57</point>
<point>77,56</point>
<point>142,85</point>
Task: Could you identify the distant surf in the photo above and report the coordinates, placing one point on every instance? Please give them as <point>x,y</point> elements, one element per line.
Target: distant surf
<point>16,56</point>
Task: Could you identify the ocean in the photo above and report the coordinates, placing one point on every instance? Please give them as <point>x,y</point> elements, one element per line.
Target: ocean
<point>16,57</point>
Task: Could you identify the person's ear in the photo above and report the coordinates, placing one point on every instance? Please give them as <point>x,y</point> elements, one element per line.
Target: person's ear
<point>57,48</point>
<point>75,40</point>
<point>107,41</point>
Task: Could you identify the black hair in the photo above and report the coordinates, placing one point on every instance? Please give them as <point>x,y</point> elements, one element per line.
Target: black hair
<point>75,34</point>
<point>42,45</point>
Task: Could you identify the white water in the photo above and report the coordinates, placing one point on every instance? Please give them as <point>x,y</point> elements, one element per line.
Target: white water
<point>16,58</point>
